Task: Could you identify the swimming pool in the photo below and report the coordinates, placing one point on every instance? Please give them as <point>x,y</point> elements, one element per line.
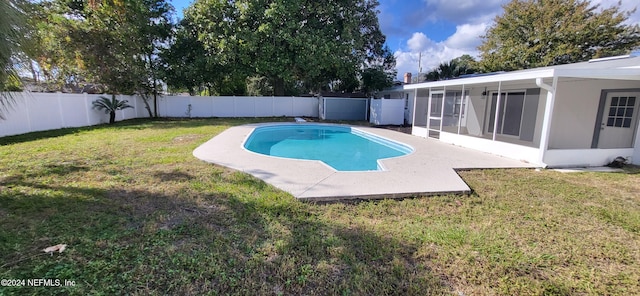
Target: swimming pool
<point>341,147</point>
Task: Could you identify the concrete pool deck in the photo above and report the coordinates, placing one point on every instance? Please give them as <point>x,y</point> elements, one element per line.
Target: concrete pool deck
<point>429,170</point>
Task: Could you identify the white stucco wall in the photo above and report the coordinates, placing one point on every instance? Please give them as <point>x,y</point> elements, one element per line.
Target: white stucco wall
<point>575,111</point>
<point>558,158</point>
<point>542,102</point>
<point>475,112</point>
<point>513,151</point>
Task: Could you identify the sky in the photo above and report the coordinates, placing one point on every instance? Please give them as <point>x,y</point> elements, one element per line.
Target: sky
<point>440,29</point>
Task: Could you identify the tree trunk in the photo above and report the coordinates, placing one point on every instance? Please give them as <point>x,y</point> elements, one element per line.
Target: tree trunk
<point>155,103</point>
<point>145,99</point>
<point>112,117</point>
<point>278,86</point>
<point>155,86</point>
<point>36,79</point>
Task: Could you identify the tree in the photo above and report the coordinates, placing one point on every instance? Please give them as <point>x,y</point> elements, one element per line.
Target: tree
<point>110,106</point>
<point>188,65</point>
<point>536,33</point>
<point>258,86</point>
<point>380,74</point>
<point>154,29</point>
<point>466,64</point>
<point>291,43</point>
<point>459,66</point>
<point>55,63</point>
<point>112,43</point>
<point>12,23</point>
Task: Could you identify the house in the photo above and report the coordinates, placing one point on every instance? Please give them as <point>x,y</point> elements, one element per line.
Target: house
<point>574,115</point>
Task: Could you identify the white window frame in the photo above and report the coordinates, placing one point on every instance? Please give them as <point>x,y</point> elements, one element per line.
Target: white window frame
<point>503,100</point>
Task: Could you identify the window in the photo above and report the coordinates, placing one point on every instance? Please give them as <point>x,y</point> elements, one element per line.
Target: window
<point>453,103</point>
<point>436,105</point>
<point>459,107</point>
<point>509,113</point>
<point>621,111</point>
<point>460,102</point>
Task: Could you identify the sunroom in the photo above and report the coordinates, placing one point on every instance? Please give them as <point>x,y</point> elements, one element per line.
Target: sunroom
<point>583,114</point>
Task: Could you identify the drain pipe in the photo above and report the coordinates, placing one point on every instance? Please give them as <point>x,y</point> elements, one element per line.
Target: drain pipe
<point>548,112</point>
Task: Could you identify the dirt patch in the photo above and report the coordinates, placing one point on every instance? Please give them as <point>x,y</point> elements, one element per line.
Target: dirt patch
<point>185,139</point>
<point>173,176</point>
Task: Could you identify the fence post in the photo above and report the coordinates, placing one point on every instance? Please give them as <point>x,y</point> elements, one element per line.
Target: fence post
<point>62,124</point>
<point>213,103</point>
<point>86,109</point>
<point>366,108</point>
<point>26,104</point>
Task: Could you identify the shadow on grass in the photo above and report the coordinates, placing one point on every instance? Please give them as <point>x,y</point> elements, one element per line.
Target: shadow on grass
<point>170,122</point>
<point>64,168</point>
<point>139,124</point>
<point>139,241</point>
<point>34,136</point>
<point>173,176</point>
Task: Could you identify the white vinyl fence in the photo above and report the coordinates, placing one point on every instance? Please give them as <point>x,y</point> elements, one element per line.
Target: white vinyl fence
<point>31,112</point>
<point>181,106</point>
<point>46,111</point>
<point>387,111</point>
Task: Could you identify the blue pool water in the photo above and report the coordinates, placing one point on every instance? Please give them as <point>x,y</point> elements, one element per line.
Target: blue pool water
<point>341,147</point>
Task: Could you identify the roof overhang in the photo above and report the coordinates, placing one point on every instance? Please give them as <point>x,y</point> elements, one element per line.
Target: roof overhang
<point>614,74</point>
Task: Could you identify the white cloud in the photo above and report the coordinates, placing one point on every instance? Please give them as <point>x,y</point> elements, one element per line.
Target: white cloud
<point>463,41</point>
<point>401,18</point>
<point>419,41</point>
<point>466,37</point>
<point>471,17</point>
<point>625,5</point>
<point>408,61</point>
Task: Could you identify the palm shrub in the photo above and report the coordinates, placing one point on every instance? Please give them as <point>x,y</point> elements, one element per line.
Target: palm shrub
<point>110,106</point>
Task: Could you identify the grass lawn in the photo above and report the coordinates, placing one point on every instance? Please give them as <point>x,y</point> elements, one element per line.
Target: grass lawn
<point>141,215</point>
